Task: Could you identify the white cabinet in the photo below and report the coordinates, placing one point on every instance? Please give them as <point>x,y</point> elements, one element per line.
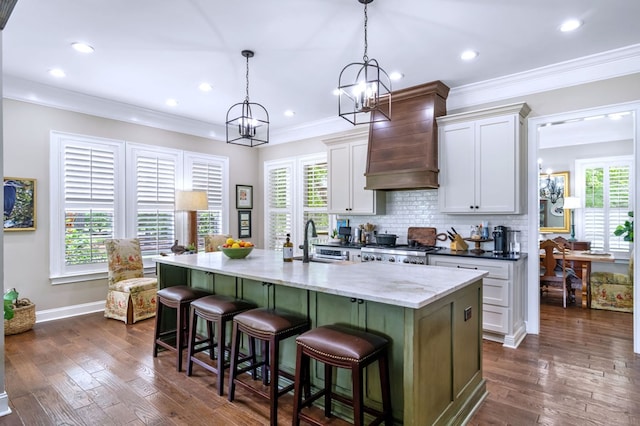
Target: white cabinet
<point>502,295</point>
<point>481,158</point>
<point>347,157</point>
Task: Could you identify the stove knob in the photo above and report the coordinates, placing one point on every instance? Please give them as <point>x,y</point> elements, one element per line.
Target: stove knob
<point>379,258</point>
<point>421,262</point>
<point>392,259</point>
<point>405,260</point>
<point>413,261</point>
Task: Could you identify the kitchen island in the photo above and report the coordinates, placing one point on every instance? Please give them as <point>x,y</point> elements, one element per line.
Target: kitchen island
<point>431,315</point>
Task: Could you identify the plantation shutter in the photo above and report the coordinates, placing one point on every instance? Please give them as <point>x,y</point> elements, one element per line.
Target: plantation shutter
<point>155,187</point>
<point>89,184</point>
<point>279,205</point>
<point>314,194</point>
<point>607,188</point>
<point>209,176</point>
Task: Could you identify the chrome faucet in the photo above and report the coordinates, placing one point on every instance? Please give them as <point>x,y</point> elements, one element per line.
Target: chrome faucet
<point>305,246</point>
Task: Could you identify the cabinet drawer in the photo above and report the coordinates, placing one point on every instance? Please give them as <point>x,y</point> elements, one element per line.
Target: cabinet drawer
<point>495,318</point>
<point>495,292</point>
<point>497,269</point>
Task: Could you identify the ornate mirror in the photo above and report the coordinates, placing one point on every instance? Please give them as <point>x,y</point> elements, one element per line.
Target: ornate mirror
<point>553,188</point>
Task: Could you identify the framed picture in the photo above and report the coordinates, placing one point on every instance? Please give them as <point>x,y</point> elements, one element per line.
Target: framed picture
<point>244,197</point>
<point>19,204</point>
<point>244,223</point>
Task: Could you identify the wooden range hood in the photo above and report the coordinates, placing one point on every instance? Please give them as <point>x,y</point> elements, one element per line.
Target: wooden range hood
<point>403,152</point>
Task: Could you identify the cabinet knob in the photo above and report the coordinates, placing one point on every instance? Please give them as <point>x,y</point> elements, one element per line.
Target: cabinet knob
<point>353,300</point>
<point>360,301</point>
<point>477,207</point>
<point>471,207</point>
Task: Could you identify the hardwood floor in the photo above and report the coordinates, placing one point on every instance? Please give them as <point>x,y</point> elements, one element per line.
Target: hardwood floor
<point>92,371</point>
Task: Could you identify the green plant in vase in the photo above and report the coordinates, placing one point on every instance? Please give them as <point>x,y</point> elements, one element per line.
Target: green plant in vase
<point>626,229</point>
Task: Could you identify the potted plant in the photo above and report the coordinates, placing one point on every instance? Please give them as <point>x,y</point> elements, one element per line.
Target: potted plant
<point>625,229</point>
<point>19,314</point>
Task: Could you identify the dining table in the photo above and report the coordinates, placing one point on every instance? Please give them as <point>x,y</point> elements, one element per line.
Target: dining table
<point>580,261</point>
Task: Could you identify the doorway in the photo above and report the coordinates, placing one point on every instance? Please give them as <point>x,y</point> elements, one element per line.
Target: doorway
<point>576,135</point>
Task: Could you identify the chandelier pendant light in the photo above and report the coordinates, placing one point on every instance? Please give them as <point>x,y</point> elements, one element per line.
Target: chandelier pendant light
<point>364,88</point>
<point>247,122</point>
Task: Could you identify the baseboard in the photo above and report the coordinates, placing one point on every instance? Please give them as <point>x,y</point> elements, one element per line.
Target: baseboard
<point>4,404</point>
<point>69,311</point>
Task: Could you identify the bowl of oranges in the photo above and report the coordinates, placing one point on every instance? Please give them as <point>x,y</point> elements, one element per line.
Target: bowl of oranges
<point>236,249</point>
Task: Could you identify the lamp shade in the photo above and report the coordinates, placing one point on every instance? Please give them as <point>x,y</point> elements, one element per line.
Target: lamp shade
<point>191,201</point>
<point>572,203</point>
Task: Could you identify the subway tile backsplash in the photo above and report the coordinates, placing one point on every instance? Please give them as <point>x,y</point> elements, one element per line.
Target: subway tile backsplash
<point>420,208</point>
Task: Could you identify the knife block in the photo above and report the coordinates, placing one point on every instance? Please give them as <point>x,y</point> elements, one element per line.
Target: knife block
<point>458,244</point>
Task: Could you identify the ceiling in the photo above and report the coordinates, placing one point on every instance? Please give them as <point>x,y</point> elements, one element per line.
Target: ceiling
<point>147,51</point>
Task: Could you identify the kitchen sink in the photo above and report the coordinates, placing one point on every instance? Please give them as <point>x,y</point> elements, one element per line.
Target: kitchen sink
<point>321,260</point>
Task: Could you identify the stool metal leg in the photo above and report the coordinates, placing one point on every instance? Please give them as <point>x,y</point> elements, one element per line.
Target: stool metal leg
<point>274,349</point>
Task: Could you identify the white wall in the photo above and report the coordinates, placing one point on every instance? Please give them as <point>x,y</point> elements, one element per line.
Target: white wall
<point>26,154</point>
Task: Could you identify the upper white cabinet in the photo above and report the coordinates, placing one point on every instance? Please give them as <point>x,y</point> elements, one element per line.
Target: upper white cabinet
<point>481,158</point>
<point>347,157</point>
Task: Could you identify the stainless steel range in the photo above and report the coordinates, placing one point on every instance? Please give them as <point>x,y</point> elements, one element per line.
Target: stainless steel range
<point>402,254</point>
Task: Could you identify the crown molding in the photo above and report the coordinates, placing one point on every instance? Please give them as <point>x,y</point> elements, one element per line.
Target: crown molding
<point>601,66</point>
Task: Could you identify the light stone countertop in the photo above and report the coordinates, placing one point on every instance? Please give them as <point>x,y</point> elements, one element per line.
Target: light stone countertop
<point>409,286</point>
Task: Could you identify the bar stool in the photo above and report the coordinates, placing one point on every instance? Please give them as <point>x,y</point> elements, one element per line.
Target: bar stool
<point>270,327</point>
<point>219,310</point>
<point>341,347</point>
<point>179,298</point>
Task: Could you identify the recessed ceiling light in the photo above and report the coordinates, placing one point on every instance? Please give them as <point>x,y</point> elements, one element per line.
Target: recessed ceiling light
<point>289,113</point>
<point>396,75</point>
<point>57,72</point>
<point>205,87</point>
<point>82,47</point>
<point>468,55</point>
<point>570,25</point>
<point>171,102</point>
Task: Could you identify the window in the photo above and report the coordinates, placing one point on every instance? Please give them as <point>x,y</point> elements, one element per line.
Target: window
<point>153,192</point>
<point>605,185</point>
<point>296,190</point>
<point>207,173</point>
<point>94,197</point>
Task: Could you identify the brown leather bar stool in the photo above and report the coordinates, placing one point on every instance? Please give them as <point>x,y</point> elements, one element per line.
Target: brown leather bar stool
<point>218,310</point>
<point>179,298</point>
<point>341,347</point>
<point>270,327</point>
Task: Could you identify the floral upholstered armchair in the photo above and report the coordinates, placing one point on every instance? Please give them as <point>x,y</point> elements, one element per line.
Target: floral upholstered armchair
<point>131,296</point>
<point>212,242</point>
<point>612,291</point>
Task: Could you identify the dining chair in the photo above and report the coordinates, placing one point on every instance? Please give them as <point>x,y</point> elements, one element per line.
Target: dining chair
<point>553,273</point>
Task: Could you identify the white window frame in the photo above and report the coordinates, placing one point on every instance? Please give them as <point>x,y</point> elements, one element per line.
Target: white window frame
<point>124,224</point>
<point>295,164</point>
<point>59,272</point>
<point>580,190</point>
<point>191,158</point>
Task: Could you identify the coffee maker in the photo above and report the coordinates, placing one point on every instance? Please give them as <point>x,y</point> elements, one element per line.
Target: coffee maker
<point>500,241</point>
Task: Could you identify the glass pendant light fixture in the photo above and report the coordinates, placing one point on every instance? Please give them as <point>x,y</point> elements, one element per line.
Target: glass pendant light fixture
<point>364,89</point>
<point>247,122</point>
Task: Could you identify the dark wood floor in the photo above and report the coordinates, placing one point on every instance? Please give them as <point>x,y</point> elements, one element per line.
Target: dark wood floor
<point>88,370</point>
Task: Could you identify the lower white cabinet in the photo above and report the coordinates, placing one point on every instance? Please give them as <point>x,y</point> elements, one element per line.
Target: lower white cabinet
<point>502,295</point>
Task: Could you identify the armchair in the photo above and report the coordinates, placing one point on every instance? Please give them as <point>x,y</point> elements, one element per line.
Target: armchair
<point>131,296</point>
<point>612,291</point>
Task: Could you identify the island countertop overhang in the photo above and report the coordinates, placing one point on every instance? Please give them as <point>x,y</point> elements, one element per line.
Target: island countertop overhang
<point>409,286</point>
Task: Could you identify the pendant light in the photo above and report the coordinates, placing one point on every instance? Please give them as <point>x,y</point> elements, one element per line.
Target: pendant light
<point>247,122</point>
<point>364,89</point>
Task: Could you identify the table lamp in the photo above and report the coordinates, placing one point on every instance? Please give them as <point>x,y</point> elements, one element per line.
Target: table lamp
<point>572,203</point>
<point>191,202</point>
